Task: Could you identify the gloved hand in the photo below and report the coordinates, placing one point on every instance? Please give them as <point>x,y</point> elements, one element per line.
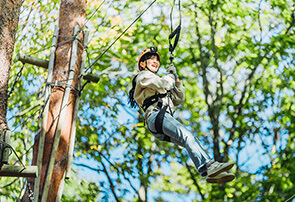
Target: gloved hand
<point>171,69</point>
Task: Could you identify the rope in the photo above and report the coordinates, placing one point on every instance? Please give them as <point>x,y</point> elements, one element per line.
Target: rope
<point>94,12</point>
<point>64,84</point>
<point>10,147</point>
<point>18,75</point>
<point>73,37</point>
<point>290,199</point>
<point>33,115</point>
<point>91,65</point>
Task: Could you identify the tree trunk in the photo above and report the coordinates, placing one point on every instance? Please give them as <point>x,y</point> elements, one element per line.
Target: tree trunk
<point>9,15</point>
<point>72,12</point>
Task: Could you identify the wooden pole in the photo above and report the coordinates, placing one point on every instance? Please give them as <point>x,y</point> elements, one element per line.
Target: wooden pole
<point>5,151</point>
<point>62,116</point>
<point>44,63</point>
<point>45,114</point>
<point>34,60</point>
<point>19,171</point>
<point>73,129</point>
<point>12,170</point>
<point>24,159</point>
<point>60,190</point>
<point>290,199</point>
<point>73,132</point>
<point>91,77</point>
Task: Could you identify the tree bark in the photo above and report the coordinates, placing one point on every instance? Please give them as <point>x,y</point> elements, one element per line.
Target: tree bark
<point>72,12</point>
<point>9,16</point>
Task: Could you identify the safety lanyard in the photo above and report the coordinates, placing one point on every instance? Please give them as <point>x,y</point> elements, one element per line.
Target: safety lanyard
<point>175,33</point>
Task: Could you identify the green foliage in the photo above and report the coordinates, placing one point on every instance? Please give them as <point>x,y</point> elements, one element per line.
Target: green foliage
<point>79,190</point>
<point>235,59</point>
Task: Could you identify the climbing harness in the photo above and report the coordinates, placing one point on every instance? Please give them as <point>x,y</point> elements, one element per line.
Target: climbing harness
<point>157,98</point>
<point>152,100</point>
<point>159,123</point>
<point>143,57</point>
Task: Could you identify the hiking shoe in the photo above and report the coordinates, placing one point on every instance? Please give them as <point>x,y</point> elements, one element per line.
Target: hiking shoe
<point>221,178</point>
<point>216,168</point>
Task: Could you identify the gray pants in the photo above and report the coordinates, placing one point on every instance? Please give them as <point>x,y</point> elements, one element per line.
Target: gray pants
<point>181,136</point>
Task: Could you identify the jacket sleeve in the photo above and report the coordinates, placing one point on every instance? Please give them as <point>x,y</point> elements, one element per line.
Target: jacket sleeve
<point>178,93</point>
<point>152,81</point>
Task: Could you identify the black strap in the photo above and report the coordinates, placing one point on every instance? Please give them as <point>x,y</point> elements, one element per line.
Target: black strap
<point>176,32</point>
<point>171,36</point>
<point>151,100</point>
<point>159,123</point>
<point>160,117</point>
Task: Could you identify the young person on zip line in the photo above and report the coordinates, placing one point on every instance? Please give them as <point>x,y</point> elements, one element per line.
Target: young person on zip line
<point>158,97</point>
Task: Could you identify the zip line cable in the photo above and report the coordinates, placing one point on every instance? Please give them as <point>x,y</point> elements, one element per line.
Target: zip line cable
<point>94,12</point>
<point>120,36</point>
<point>72,37</point>
<point>47,47</point>
<point>175,33</point>
<point>91,65</point>
<point>179,13</point>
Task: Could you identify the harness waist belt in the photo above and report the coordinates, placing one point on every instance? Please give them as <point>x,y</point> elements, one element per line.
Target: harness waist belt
<point>152,100</point>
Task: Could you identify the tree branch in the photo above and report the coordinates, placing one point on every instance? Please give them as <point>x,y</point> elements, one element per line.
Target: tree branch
<point>88,167</point>
<point>9,183</point>
<point>116,168</point>
<point>194,179</point>
<point>111,182</point>
<point>202,60</point>
<point>219,89</point>
<point>292,22</point>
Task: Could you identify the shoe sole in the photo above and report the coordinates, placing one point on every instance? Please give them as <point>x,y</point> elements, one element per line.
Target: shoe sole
<point>224,179</point>
<point>226,168</point>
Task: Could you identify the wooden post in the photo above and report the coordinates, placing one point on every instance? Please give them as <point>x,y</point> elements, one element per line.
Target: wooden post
<point>1,148</point>
<point>19,171</point>
<point>44,63</point>
<point>60,190</point>
<point>45,114</point>
<point>73,132</point>
<point>34,60</point>
<point>62,116</point>
<point>6,150</point>
<point>13,170</point>
<point>290,199</point>
<point>73,129</point>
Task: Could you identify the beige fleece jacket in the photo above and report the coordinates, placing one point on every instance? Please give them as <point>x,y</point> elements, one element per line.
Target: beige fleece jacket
<point>148,83</point>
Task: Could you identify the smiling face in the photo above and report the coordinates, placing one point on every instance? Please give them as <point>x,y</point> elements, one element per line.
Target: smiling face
<point>151,64</point>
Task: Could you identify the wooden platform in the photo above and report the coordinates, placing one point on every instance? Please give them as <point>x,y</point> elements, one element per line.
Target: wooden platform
<point>12,170</point>
<point>19,171</point>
